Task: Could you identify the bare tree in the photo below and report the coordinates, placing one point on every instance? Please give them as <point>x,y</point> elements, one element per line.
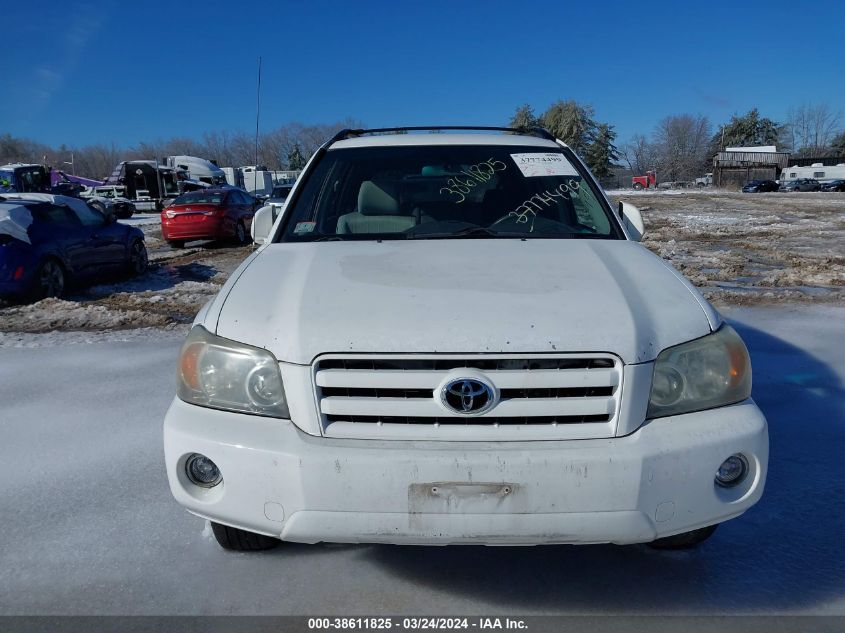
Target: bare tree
<point>639,154</point>
<point>683,146</point>
<point>96,161</point>
<point>22,150</point>
<point>812,128</point>
<point>226,148</point>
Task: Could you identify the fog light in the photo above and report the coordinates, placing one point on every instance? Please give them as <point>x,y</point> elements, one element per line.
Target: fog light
<point>732,471</point>
<point>202,471</point>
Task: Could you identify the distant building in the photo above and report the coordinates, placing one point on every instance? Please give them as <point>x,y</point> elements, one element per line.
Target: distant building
<point>737,165</point>
<point>768,149</point>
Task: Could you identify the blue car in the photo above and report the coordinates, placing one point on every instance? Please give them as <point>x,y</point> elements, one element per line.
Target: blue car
<point>47,242</point>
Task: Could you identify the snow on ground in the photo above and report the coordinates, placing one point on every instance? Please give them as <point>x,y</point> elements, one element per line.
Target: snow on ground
<point>58,337</point>
<point>90,526</point>
<point>668,192</point>
<point>143,219</point>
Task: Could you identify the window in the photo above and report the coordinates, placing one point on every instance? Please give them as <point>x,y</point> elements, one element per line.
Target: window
<point>199,197</point>
<point>818,174</point>
<point>449,191</point>
<point>88,216</point>
<point>54,215</point>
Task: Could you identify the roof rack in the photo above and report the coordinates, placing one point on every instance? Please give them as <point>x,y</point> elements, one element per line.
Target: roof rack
<point>525,131</point>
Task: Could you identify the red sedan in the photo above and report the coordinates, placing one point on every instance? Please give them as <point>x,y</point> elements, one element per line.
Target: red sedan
<point>210,214</point>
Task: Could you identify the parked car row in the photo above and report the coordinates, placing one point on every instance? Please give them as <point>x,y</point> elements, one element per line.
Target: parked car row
<point>834,185</point>
<point>799,184</point>
<point>48,242</point>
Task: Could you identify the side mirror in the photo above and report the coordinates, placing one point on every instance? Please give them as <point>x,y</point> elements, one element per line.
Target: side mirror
<point>632,220</point>
<point>262,225</point>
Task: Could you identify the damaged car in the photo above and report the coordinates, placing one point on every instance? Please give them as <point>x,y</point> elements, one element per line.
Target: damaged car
<point>48,242</point>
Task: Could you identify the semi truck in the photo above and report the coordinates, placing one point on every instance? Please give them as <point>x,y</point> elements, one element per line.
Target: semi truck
<point>649,181</point>
<point>24,178</point>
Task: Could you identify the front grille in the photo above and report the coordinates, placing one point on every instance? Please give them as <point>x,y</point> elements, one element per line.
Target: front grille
<point>441,364</point>
<point>475,422</point>
<point>506,394</point>
<point>398,396</point>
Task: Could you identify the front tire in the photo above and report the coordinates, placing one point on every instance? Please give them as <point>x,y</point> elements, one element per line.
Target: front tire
<point>138,258</point>
<point>638,186</point>
<point>49,279</point>
<point>237,540</point>
<point>686,540</point>
<point>242,236</point>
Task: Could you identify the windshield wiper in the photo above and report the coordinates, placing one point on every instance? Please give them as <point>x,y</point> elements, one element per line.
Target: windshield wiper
<point>470,231</point>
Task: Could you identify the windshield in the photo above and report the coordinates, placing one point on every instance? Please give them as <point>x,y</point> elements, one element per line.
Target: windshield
<point>199,197</point>
<point>281,192</point>
<point>447,191</point>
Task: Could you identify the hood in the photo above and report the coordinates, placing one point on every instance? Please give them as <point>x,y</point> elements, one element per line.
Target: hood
<point>461,296</point>
<point>15,221</point>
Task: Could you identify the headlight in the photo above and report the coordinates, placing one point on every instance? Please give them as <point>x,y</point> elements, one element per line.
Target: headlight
<point>705,373</point>
<point>222,374</point>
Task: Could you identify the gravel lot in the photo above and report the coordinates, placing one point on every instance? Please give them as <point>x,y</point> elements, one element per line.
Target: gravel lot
<point>740,249</point>
<point>750,248</point>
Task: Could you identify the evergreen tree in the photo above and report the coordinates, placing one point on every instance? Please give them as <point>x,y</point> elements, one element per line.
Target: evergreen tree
<point>572,123</point>
<point>749,130</point>
<point>601,153</point>
<point>296,160</point>
<point>524,117</point>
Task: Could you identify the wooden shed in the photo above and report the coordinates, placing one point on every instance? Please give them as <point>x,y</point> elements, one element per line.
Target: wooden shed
<point>733,169</point>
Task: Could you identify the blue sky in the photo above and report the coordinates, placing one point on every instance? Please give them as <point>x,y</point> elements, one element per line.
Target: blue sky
<point>104,71</point>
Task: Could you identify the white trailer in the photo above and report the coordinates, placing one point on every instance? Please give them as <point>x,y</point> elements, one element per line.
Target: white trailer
<point>199,169</point>
<point>817,171</point>
<point>234,176</point>
<point>257,182</point>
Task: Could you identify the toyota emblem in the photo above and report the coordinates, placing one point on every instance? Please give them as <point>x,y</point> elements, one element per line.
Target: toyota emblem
<point>468,396</point>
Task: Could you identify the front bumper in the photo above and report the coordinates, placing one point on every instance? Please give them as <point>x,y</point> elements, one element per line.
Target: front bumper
<point>279,481</point>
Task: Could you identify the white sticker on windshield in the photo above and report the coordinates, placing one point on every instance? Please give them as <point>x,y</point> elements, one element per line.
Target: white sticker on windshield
<point>544,164</point>
<point>304,227</point>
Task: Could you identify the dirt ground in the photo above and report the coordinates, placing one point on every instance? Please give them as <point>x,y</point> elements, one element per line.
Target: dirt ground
<point>743,249</point>
<point>739,249</point>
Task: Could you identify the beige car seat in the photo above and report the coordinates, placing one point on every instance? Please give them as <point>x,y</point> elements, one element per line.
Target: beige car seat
<point>378,211</point>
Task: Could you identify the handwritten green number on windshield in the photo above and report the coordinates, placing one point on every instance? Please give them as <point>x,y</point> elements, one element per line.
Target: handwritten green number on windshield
<point>457,193</point>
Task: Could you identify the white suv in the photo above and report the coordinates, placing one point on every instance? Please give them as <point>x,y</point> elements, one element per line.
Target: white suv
<point>454,338</point>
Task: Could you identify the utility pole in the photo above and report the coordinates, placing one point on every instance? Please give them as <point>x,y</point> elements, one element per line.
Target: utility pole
<point>257,111</point>
<point>72,172</point>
